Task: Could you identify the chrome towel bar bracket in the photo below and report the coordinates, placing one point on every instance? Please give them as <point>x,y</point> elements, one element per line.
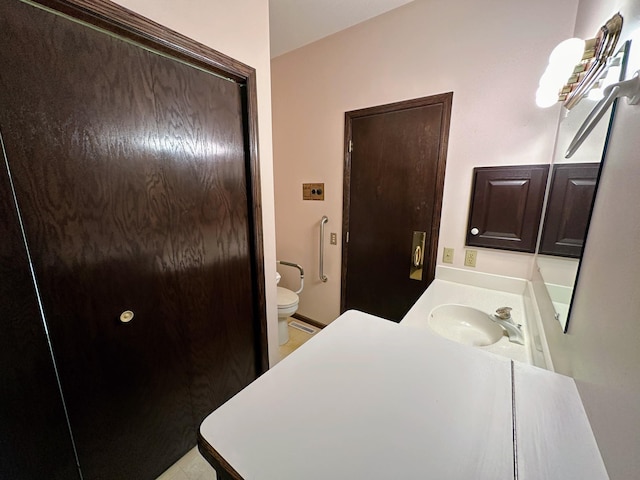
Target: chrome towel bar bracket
<point>628,88</point>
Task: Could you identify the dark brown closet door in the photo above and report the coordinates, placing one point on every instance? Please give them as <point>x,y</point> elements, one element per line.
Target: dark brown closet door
<point>130,174</point>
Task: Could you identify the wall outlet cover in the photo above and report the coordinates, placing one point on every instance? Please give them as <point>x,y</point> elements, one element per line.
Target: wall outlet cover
<point>447,256</point>
<point>470,258</point>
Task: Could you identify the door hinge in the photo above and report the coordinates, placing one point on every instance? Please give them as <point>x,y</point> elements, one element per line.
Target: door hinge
<point>350,146</point>
<point>347,237</point>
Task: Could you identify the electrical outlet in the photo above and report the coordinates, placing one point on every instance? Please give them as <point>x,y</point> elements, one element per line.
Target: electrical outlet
<point>333,238</point>
<point>470,258</point>
<point>447,256</point>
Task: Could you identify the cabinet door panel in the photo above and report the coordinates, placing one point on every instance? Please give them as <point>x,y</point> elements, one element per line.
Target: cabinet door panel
<point>573,187</point>
<point>130,173</point>
<point>506,204</point>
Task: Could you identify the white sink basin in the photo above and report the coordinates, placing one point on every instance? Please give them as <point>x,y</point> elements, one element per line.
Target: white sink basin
<point>466,325</point>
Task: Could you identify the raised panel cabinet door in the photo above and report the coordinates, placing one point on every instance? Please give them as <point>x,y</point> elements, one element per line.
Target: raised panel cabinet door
<point>35,441</point>
<point>130,173</point>
<point>506,204</point>
<point>566,221</point>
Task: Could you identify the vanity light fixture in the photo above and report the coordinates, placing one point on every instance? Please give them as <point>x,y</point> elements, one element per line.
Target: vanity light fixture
<point>607,37</point>
<point>575,65</point>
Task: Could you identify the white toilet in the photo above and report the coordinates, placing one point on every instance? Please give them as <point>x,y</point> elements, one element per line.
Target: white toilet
<point>287,303</point>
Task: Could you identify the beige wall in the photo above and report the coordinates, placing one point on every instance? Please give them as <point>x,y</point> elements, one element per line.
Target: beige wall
<point>602,347</point>
<point>490,54</point>
<point>239,29</point>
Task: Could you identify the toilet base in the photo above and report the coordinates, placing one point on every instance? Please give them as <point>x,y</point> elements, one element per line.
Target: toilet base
<point>283,330</point>
<point>287,306</point>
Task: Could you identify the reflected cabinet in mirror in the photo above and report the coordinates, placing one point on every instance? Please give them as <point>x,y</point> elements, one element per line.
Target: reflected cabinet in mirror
<point>572,191</point>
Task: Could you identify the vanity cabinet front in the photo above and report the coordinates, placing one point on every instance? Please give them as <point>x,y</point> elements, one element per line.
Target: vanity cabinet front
<point>130,175</point>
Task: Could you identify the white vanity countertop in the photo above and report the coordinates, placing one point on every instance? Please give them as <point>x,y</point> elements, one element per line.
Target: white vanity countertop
<point>370,399</point>
<point>442,292</point>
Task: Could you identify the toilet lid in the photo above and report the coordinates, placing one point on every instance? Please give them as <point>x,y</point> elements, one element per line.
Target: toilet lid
<point>286,298</point>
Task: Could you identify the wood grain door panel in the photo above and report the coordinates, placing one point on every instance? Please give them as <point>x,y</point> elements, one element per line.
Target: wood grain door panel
<point>35,440</point>
<point>131,177</point>
<point>393,187</point>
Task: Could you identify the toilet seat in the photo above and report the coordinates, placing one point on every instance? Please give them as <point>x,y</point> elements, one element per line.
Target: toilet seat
<point>286,298</point>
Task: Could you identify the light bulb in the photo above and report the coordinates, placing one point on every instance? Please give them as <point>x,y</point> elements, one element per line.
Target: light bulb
<point>546,97</point>
<point>569,52</point>
<point>562,62</point>
<point>553,77</point>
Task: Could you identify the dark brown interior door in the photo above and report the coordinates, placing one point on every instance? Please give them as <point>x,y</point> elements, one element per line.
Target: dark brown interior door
<point>394,176</point>
<point>130,175</point>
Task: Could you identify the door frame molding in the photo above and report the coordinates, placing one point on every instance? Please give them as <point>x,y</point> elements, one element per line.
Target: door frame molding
<point>446,100</point>
<point>129,25</point>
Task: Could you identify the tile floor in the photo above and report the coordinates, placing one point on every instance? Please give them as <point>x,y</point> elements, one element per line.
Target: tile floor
<point>296,337</point>
<point>193,466</point>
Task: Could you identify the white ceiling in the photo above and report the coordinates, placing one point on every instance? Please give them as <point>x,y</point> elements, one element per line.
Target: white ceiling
<point>294,23</point>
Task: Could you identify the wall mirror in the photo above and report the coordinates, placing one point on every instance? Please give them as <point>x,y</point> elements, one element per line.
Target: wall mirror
<point>560,269</point>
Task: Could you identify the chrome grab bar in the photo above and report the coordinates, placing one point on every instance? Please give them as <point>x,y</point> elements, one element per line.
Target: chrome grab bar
<point>324,220</point>
<point>294,265</point>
